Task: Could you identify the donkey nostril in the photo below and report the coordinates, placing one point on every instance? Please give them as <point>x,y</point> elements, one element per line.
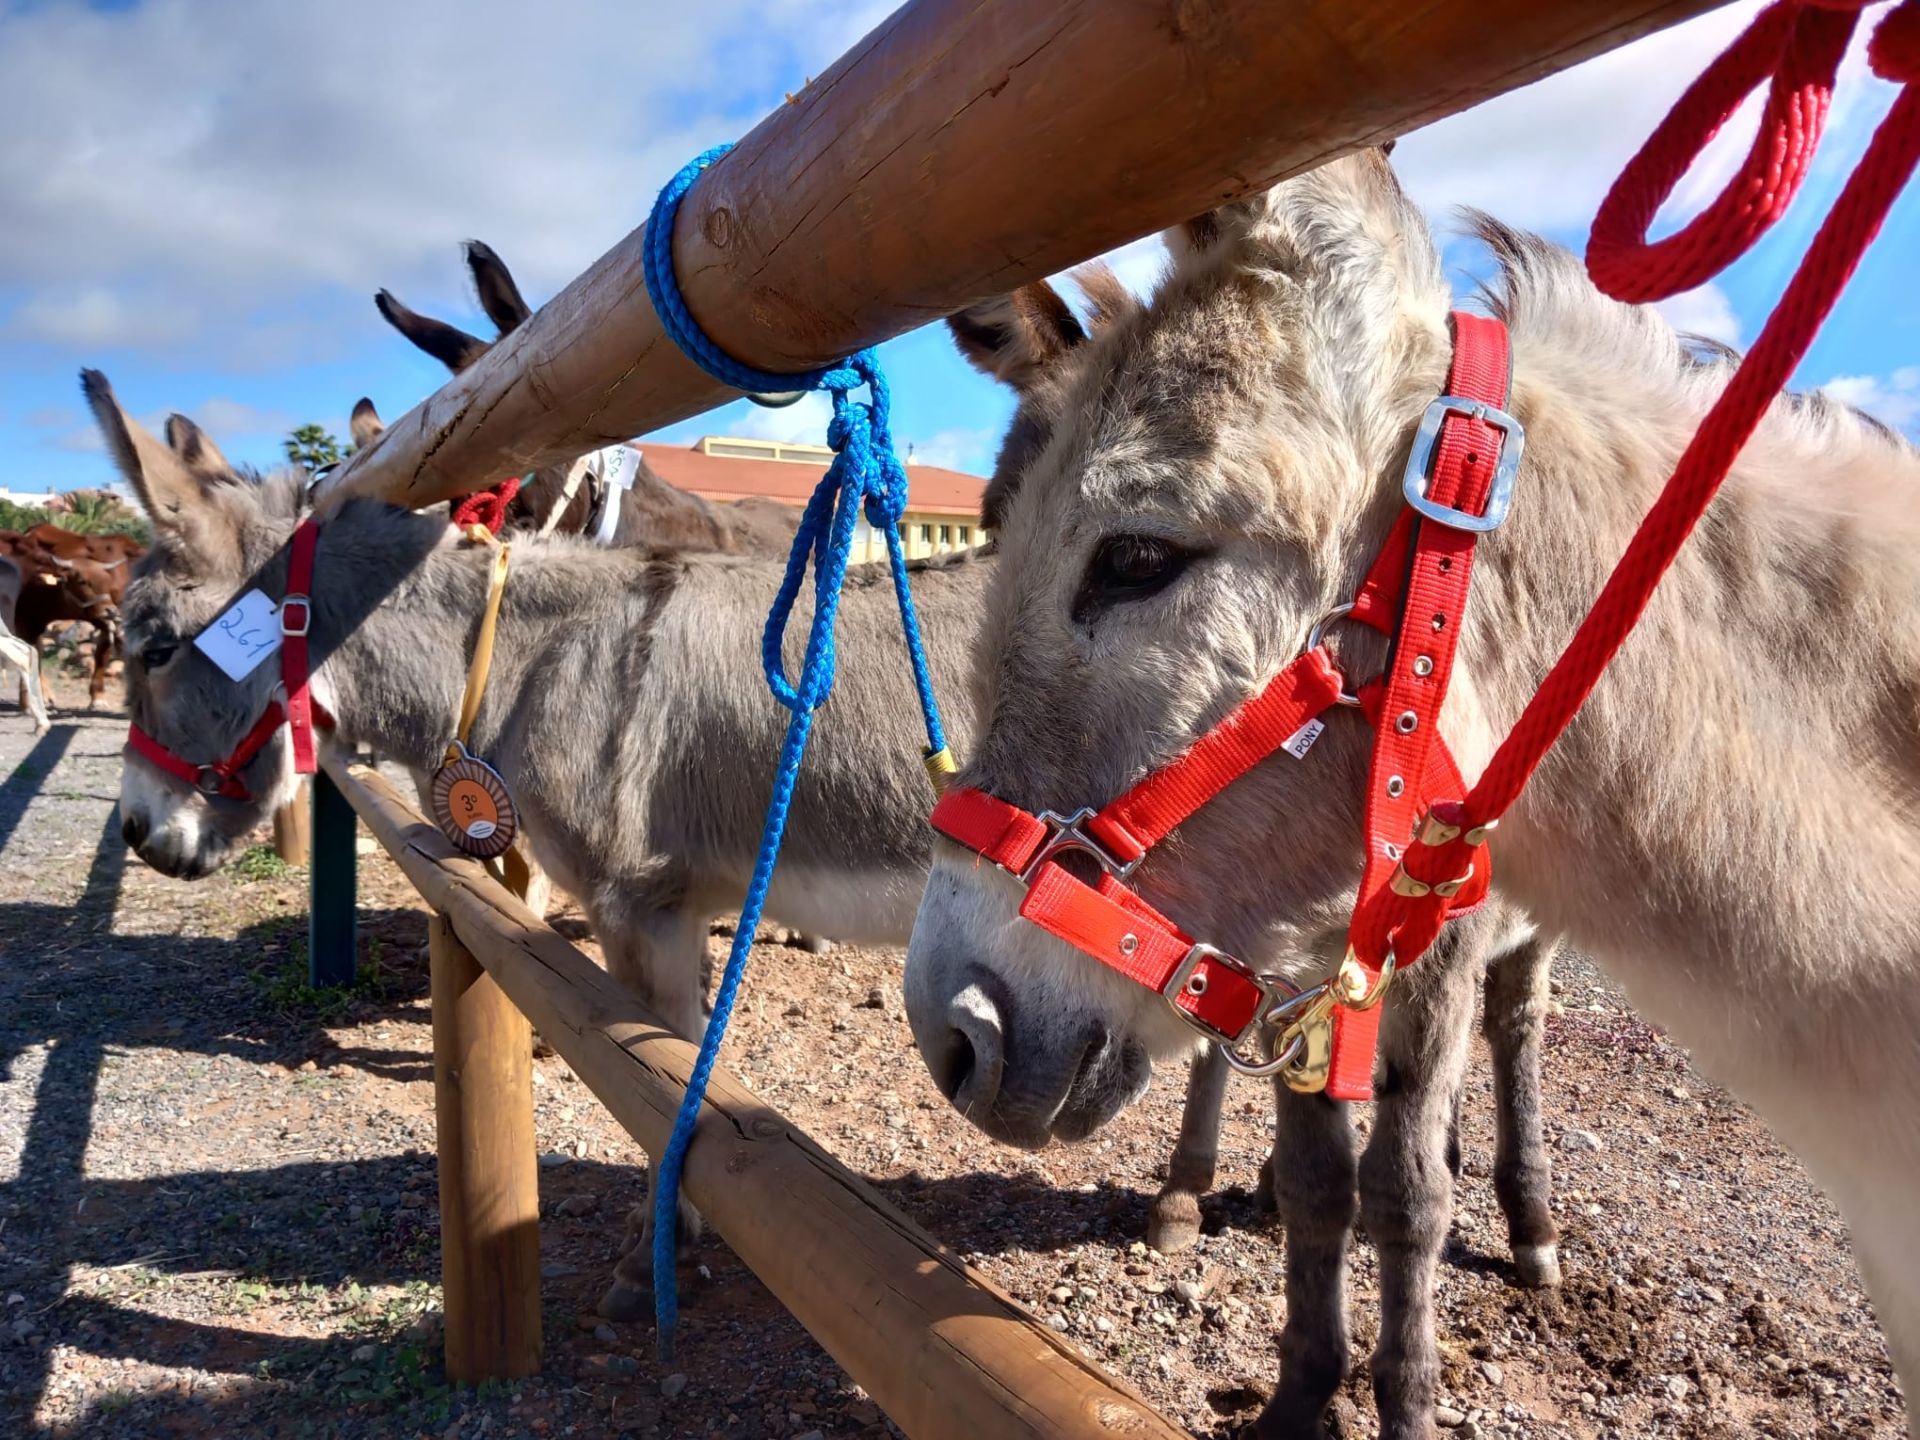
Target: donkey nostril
<point>134,829</point>
<point>972,1053</point>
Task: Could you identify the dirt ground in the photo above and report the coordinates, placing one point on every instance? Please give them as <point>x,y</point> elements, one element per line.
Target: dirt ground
<point>217,1209</point>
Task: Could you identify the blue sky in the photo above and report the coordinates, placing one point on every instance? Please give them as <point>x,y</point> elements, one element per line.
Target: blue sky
<point>201,198</point>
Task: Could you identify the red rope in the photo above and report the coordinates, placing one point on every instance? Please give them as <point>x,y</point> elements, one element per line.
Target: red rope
<point>487,507</point>
<point>1806,41</point>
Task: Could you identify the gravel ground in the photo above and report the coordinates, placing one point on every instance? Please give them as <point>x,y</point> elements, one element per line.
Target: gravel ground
<point>217,1204</point>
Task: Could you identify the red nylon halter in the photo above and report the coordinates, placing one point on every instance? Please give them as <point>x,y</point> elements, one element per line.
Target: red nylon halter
<point>1457,485</point>
<point>222,777</point>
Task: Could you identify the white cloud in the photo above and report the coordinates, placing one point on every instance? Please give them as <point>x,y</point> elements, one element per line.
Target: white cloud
<point>802,423</point>
<point>1704,311</point>
<point>222,417</point>
<point>1542,157</point>
<point>174,175</point>
<point>1893,398</point>
<point>970,451</point>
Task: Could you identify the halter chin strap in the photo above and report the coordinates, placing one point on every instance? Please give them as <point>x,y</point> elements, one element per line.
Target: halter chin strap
<point>1458,483</point>
<point>298,711</point>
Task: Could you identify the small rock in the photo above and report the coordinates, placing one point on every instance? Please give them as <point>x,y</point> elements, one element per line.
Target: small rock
<point>1103,1325</point>
<point>673,1386</point>
<point>876,999</point>
<point>1581,1142</point>
<point>1448,1418</point>
<point>795,1011</point>
<point>16,1298</point>
<point>1061,1294</point>
<point>606,1334</point>
<point>577,1205</point>
<point>1679,1092</point>
<point>1491,1370</point>
<point>555,1269</point>
<point>364,1353</point>
<point>1057,1321</point>
<point>1468,1431</point>
<point>552,1161</point>
<point>1713,1295</point>
<point>308,1067</point>
<point>1586,1401</point>
<point>1678,1387</point>
<point>424,1328</point>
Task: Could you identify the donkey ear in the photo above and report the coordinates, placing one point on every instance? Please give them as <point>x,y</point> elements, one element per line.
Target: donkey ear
<point>197,450</point>
<point>365,425</point>
<point>1017,338</point>
<point>499,296</point>
<point>174,495</point>
<point>453,348</point>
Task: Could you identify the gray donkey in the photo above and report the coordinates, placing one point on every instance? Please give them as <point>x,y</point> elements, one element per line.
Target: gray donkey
<point>1730,824</point>
<point>569,498</point>
<point>625,710</point>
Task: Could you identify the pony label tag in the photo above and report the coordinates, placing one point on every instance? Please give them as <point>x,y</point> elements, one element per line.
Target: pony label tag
<point>1302,739</point>
<point>471,805</point>
<point>242,638</point>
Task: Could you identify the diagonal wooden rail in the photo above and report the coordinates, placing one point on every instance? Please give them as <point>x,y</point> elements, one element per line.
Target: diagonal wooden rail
<point>961,149</point>
<point>941,1350</point>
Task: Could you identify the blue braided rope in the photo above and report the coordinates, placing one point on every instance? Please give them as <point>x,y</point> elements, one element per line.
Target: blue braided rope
<point>865,474</point>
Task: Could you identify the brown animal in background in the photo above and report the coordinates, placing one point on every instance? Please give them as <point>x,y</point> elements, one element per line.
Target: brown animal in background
<point>68,576</point>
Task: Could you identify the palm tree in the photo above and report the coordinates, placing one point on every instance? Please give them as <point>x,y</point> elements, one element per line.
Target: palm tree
<point>313,446</point>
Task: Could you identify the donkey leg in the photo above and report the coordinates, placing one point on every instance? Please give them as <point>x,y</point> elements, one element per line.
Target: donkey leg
<point>1312,1168</point>
<point>656,954</point>
<point>1515,1026</point>
<point>1173,1223</point>
<point>1406,1178</point>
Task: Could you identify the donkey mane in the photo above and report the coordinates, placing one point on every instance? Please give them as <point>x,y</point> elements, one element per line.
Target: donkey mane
<point>1554,310</point>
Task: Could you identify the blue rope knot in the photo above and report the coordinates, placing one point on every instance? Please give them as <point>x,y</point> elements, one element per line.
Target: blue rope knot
<point>866,476</point>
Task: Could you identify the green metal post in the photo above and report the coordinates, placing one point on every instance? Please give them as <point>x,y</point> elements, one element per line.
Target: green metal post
<point>330,917</point>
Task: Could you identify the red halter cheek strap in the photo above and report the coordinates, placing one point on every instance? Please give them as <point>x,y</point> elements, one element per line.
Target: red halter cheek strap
<point>1458,484</point>
<point>222,777</point>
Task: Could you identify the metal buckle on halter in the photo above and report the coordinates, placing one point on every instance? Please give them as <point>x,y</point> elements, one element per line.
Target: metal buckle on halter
<point>1278,998</point>
<point>1318,629</point>
<point>287,626</point>
<point>209,781</point>
<point>1426,441</point>
<point>1065,833</point>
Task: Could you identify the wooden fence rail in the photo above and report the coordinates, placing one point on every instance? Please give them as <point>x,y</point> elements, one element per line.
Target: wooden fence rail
<point>961,149</point>
<point>941,1350</point>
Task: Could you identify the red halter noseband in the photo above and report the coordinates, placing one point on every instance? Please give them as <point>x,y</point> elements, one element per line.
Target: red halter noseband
<point>1458,484</point>
<point>222,777</point>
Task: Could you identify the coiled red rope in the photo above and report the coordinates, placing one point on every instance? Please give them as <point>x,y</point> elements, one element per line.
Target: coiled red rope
<point>487,507</point>
<point>1798,43</point>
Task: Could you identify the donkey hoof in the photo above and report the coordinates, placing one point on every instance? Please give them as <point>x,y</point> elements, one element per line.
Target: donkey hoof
<point>1173,1222</point>
<point>625,1302</point>
<point>1537,1267</point>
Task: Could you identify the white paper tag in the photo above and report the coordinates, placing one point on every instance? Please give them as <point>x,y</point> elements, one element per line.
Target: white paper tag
<point>243,637</point>
<point>1302,739</point>
<point>619,464</point>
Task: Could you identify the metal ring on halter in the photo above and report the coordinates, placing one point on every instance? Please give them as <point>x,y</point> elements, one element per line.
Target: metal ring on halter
<point>1314,634</point>
<point>1377,992</point>
<point>1286,1047</point>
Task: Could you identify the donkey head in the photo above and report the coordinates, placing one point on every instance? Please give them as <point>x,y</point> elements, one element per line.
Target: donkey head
<point>216,536</point>
<point>1187,494</point>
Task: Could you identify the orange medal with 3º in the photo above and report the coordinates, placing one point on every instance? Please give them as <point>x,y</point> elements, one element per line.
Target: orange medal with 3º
<point>472,807</point>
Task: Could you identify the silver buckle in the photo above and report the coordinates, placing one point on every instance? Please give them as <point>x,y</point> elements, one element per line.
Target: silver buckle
<point>1275,996</point>
<point>306,614</point>
<point>1067,834</point>
<point>1426,441</point>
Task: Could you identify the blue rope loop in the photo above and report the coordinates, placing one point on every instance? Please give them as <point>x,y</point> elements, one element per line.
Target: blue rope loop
<point>866,476</point>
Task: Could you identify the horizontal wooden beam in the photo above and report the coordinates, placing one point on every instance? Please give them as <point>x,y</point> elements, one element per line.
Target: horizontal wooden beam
<point>941,1350</point>
<point>961,149</point>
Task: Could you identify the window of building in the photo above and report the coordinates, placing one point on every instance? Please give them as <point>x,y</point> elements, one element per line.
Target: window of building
<point>926,534</point>
<point>946,534</point>
<point>966,534</point>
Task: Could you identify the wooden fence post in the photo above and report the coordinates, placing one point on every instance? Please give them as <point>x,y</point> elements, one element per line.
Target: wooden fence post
<point>489,1173</point>
<point>331,900</point>
<point>291,830</point>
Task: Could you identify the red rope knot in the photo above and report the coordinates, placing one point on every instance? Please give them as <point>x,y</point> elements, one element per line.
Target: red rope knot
<point>1894,51</point>
<point>1795,46</point>
<point>487,507</point>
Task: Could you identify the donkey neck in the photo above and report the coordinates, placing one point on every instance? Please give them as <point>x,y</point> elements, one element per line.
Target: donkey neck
<point>1755,732</point>
<point>397,602</point>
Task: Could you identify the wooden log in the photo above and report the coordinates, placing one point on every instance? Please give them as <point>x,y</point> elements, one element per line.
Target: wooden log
<point>489,1172</point>
<point>961,149</point>
<point>291,831</point>
<point>947,1355</point>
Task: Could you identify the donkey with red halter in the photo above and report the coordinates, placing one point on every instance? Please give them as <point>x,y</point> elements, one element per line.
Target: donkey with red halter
<point>1729,824</point>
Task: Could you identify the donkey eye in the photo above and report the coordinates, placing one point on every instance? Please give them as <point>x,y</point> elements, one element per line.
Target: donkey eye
<point>157,654</point>
<point>1127,567</point>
